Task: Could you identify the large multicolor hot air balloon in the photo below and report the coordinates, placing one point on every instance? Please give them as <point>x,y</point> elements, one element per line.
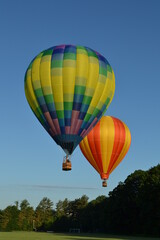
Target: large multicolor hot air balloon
<point>106,145</point>
<point>69,88</point>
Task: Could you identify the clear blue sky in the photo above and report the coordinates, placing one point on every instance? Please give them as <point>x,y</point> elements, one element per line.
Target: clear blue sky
<point>127,33</point>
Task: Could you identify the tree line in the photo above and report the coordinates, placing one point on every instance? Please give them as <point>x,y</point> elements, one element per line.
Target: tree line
<point>132,208</point>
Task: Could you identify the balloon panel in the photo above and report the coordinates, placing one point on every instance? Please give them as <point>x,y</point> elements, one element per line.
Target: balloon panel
<point>69,88</point>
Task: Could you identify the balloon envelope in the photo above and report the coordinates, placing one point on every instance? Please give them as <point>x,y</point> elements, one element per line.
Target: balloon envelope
<point>69,88</point>
<point>106,145</point>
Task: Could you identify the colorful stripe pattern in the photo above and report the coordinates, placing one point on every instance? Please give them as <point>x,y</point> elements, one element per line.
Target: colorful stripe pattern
<point>106,145</point>
<point>69,88</point>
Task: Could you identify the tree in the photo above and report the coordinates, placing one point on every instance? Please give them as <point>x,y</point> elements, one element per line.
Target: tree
<point>26,216</point>
<point>44,214</point>
<point>9,218</point>
<point>75,210</point>
<point>62,208</point>
<point>24,205</point>
<point>150,210</point>
<point>133,206</point>
<point>76,205</point>
<point>92,215</point>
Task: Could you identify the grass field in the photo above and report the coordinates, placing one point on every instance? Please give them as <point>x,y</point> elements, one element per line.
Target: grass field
<point>54,236</point>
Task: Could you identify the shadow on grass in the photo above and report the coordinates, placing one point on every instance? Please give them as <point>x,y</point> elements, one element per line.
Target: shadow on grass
<point>104,237</point>
<point>97,237</point>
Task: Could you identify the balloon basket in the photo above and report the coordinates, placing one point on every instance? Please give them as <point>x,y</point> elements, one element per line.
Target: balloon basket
<point>104,183</point>
<point>66,166</point>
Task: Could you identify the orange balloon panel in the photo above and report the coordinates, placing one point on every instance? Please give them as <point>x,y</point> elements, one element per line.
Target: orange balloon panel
<point>106,145</point>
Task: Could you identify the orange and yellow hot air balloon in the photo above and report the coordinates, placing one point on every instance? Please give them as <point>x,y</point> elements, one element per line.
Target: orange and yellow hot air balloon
<point>106,145</point>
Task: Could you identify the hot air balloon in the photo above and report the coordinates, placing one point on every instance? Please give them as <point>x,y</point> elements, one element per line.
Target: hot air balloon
<point>106,145</point>
<point>68,89</point>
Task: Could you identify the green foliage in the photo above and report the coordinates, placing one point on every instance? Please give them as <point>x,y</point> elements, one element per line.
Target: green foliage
<point>26,216</point>
<point>9,218</point>
<point>134,205</point>
<point>62,208</point>
<point>44,214</point>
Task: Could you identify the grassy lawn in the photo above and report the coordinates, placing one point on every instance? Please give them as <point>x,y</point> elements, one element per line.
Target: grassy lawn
<point>56,236</point>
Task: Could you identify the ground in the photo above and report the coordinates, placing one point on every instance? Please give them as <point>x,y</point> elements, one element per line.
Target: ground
<point>54,236</point>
